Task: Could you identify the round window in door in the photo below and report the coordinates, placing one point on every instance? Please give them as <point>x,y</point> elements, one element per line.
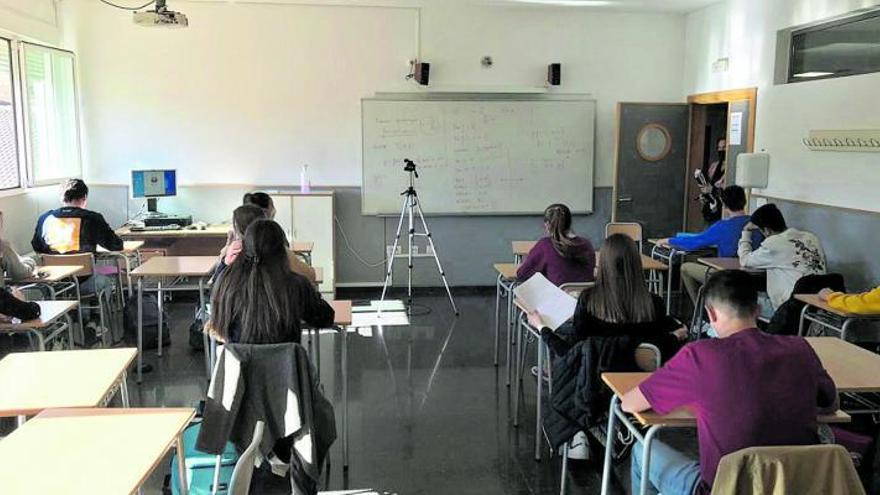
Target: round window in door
<point>653,142</point>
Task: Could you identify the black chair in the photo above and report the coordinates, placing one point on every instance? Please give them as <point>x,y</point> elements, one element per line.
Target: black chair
<point>786,319</point>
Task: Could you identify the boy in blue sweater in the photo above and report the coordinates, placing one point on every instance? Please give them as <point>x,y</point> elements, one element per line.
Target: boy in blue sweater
<point>723,235</point>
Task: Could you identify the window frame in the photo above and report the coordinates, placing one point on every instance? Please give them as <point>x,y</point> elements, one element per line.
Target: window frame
<point>785,49</point>
<point>26,136</point>
<point>16,116</point>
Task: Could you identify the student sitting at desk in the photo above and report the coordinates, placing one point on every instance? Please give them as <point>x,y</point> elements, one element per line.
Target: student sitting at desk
<point>618,314</point>
<point>722,235</point>
<point>74,229</point>
<point>14,305</point>
<point>746,389</point>
<point>786,253</point>
<point>261,200</point>
<point>258,300</point>
<point>561,256</point>
<point>13,266</point>
<point>866,303</point>
<point>242,218</point>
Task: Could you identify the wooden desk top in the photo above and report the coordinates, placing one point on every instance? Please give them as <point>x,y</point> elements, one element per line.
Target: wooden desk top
<point>50,312</point>
<point>813,300</point>
<point>219,230</point>
<point>621,383</point>
<point>302,247</point>
<point>319,275</point>
<point>507,270</point>
<point>343,312</point>
<point>91,451</point>
<point>34,381</point>
<point>55,273</point>
<point>726,264</point>
<point>172,266</point>
<point>852,368</point>
<point>128,247</point>
<point>522,248</point>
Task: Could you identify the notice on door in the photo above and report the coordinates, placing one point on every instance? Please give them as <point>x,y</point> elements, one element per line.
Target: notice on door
<point>736,121</point>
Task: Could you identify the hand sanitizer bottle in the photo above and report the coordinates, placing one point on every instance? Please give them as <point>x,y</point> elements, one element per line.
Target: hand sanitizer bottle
<point>305,185</point>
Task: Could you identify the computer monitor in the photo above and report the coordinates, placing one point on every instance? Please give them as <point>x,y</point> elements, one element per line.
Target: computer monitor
<point>152,184</point>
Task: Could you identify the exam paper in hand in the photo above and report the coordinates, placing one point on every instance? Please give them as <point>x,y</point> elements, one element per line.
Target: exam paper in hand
<point>539,294</point>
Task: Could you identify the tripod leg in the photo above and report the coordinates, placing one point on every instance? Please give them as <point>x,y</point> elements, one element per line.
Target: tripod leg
<point>409,267</point>
<point>418,208</point>
<point>393,250</point>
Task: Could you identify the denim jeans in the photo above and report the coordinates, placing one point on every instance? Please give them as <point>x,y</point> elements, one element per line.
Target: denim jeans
<point>94,284</point>
<point>671,472</point>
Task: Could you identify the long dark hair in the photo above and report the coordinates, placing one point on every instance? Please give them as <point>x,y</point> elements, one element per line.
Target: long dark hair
<point>621,294</point>
<point>256,292</point>
<point>557,219</point>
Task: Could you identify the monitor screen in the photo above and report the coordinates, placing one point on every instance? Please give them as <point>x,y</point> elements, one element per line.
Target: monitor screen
<point>153,183</point>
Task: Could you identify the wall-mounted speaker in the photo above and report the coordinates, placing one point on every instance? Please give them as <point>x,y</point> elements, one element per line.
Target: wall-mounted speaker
<point>554,74</point>
<point>421,72</point>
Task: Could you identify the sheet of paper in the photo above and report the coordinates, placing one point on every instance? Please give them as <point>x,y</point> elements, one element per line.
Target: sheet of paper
<point>555,306</point>
<point>736,119</point>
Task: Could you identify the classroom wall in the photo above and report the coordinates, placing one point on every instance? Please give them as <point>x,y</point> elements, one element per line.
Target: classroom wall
<point>744,31</point>
<point>34,19</point>
<point>150,98</point>
<point>252,90</point>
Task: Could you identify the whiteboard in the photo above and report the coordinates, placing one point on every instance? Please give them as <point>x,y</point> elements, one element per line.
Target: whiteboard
<point>479,156</point>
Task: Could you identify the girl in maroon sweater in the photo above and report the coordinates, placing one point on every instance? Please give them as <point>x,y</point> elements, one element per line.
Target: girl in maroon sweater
<point>561,256</point>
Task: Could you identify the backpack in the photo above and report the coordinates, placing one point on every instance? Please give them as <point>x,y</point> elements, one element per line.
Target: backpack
<point>150,319</point>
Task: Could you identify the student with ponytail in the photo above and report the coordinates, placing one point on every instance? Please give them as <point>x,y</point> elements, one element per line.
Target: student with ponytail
<point>258,299</point>
<point>561,256</point>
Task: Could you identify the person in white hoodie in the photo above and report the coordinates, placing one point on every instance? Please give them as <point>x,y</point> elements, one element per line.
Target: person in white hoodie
<point>787,254</point>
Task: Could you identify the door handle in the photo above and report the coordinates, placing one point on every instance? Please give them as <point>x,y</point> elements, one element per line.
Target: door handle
<point>624,199</point>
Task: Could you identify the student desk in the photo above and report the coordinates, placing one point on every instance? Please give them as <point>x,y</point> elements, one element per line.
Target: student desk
<point>852,368</point>
<point>342,319</point>
<point>175,267</point>
<point>34,381</point>
<point>672,257</point>
<point>505,283</point>
<point>53,275</point>
<point>818,311</point>
<point>90,451</point>
<point>51,314</point>
<point>304,249</point>
<point>621,383</point>
<point>127,255</point>
<point>521,249</point>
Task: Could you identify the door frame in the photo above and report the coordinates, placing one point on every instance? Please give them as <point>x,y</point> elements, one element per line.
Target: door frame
<point>617,144</point>
<point>714,98</point>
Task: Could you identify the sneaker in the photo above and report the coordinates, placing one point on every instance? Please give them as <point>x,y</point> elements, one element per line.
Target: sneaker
<point>546,376</point>
<point>579,447</point>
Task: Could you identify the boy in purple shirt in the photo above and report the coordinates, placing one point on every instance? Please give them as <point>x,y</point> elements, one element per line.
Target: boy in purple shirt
<point>746,389</point>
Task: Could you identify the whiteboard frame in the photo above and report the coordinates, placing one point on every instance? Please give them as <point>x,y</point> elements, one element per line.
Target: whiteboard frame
<point>475,97</point>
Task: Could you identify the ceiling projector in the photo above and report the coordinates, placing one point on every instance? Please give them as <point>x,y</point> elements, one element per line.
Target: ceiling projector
<point>160,16</point>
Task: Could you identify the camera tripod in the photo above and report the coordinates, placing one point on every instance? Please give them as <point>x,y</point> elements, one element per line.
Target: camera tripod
<point>412,207</point>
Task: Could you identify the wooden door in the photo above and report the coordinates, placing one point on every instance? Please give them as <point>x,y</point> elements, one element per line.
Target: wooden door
<point>650,166</point>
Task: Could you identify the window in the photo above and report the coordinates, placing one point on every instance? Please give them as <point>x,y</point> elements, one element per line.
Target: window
<point>50,114</point>
<point>839,47</point>
<point>9,168</point>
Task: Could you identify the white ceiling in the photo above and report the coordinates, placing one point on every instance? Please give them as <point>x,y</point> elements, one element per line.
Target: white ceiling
<point>678,6</point>
<point>673,6</point>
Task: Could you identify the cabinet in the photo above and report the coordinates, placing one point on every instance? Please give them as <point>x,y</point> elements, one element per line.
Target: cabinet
<point>310,217</point>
